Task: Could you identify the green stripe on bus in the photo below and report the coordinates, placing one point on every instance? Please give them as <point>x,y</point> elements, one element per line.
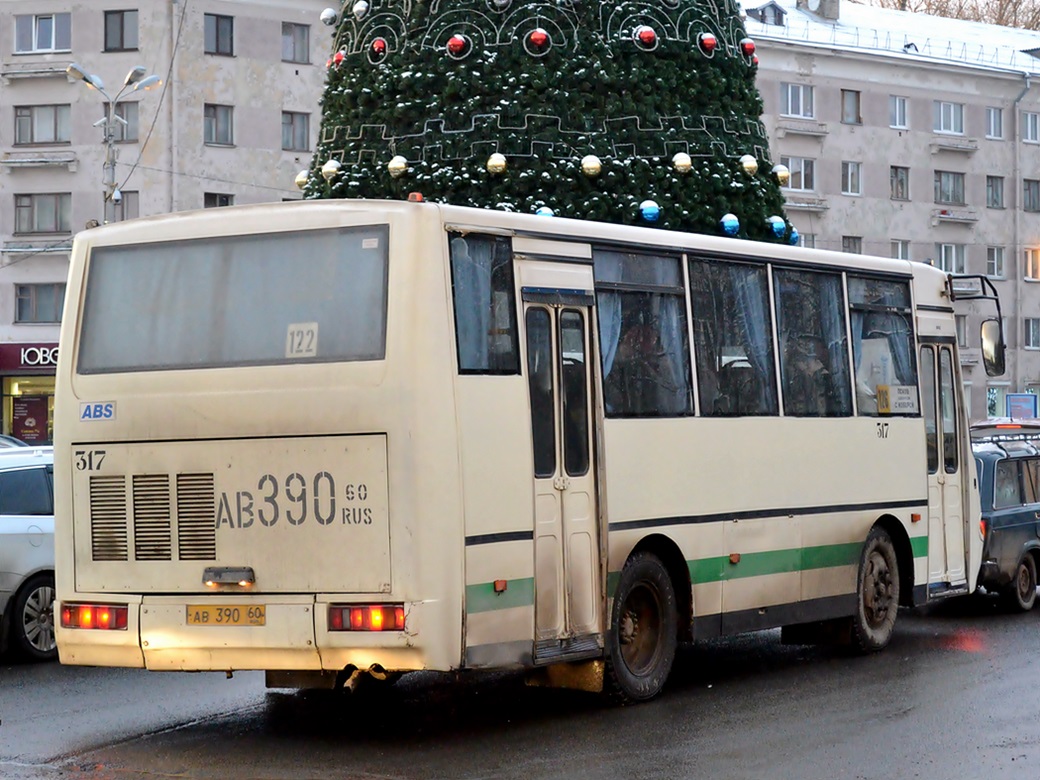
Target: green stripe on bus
<point>482,597</point>
<point>705,570</point>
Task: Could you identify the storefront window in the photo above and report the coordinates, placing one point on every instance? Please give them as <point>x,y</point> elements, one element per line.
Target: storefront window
<point>28,408</point>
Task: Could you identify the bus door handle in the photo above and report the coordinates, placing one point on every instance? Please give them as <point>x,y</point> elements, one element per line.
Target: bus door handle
<point>562,483</point>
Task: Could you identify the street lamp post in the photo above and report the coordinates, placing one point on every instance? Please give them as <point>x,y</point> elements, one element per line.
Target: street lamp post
<point>135,80</point>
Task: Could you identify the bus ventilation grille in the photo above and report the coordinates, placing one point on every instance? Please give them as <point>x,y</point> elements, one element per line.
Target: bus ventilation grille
<point>151,520</point>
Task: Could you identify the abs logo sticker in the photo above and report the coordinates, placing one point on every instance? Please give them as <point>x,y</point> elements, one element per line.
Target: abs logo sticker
<point>106,410</point>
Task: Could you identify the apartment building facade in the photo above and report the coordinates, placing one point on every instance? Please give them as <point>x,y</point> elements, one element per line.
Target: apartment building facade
<point>235,117</point>
<point>919,138</point>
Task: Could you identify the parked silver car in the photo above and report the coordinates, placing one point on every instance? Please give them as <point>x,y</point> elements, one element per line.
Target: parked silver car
<point>27,552</point>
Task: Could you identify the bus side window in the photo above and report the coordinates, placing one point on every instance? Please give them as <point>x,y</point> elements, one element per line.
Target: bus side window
<point>882,338</point>
<point>484,300</point>
<point>733,339</point>
<point>814,366</point>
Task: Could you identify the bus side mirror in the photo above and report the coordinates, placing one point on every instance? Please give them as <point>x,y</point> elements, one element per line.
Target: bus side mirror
<point>993,347</point>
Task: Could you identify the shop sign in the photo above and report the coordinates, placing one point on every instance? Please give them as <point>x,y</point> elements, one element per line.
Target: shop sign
<point>30,358</point>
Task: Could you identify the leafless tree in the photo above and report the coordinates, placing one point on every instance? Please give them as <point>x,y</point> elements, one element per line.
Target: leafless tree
<point>1024,14</point>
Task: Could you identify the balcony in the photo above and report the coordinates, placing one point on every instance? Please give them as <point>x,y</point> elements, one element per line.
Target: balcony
<point>18,249</point>
<point>956,214</point>
<point>10,71</point>
<point>953,143</point>
<point>786,127</point>
<point>805,202</point>
<point>14,160</point>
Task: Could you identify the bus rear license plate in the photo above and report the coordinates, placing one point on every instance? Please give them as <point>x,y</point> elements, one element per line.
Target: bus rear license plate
<point>227,615</point>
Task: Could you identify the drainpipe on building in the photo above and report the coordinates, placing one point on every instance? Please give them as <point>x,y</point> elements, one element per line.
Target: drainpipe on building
<point>172,87</point>
<point>1019,248</point>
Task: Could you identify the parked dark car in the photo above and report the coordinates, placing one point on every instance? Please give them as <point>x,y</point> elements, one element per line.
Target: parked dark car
<point>1007,458</point>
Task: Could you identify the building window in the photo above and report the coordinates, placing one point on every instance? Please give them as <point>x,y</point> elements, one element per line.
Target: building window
<point>995,262</point>
<point>948,117</point>
<point>995,400</point>
<point>898,116</point>
<point>1031,127</point>
<point>1031,333</point>
<point>296,42</point>
<point>220,34</point>
<point>217,124</point>
<point>949,188</point>
<point>42,32</point>
<point>802,173</point>
<point>852,244</point>
<point>128,206</point>
<point>994,122</point>
<point>39,302</point>
<point>851,183</point>
<point>900,249</point>
<point>44,213</point>
<point>120,30</point>
<point>1031,194</point>
<point>796,100</point>
<point>850,103</point>
<point>951,258</point>
<point>899,180</point>
<point>808,240</point>
<point>295,131</point>
<point>1032,269</point>
<point>961,322</point>
<point>212,200</point>
<point>41,125</point>
<point>125,131</point>
<point>995,192</point>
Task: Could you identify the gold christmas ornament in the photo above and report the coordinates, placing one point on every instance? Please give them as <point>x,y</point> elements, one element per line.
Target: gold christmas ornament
<point>301,179</point>
<point>749,164</point>
<point>682,162</point>
<point>783,175</point>
<point>398,166</point>
<point>330,169</point>
<point>496,163</point>
<point>591,166</point>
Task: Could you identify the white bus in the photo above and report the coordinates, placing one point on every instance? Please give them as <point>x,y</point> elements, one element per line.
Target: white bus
<point>335,440</point>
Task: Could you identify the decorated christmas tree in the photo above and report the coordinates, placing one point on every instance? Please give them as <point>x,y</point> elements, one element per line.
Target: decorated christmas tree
<point>631,112</point>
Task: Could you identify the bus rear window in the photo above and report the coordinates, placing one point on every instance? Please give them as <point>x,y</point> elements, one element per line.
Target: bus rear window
<point>301,297</point>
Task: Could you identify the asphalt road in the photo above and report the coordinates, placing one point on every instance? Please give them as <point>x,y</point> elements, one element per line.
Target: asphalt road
<point>952,698</point>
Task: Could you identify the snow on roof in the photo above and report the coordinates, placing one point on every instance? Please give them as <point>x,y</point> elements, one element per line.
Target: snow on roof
<point>919,36</point>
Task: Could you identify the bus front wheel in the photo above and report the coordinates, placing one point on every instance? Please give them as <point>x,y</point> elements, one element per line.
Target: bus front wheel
<point>643,633</point>
<point>877,593</point>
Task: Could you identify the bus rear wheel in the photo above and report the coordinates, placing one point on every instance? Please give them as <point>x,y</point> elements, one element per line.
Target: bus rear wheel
<point>643,633</point>
<point>877,593</point>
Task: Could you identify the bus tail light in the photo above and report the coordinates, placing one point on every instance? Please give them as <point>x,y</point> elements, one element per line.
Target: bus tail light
<point>982,529</point>
<point>106,617</point>
<point>366,617</point>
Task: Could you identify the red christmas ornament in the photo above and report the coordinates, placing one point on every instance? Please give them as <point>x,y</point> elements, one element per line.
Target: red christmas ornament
<point>379,47</point>
<point>457,44</point>
<point>646,35</point>
<point>747,46</point>
<point>707,42</point>
<point>338,58</point>
<point>328,63</point>
<point>539,38</point>
<point>754,60</point>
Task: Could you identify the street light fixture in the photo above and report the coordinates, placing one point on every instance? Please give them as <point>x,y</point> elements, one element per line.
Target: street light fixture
<point>135,80</point>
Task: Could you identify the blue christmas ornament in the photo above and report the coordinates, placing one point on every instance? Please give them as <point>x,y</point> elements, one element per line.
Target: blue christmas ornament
<point>730,224</point>
<point>793,239</point>
<point>778,226</point>
<point>650,210</point>
<point>545,211</point>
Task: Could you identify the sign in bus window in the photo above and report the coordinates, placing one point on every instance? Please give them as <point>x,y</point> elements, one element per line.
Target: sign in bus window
<point>302,340</point>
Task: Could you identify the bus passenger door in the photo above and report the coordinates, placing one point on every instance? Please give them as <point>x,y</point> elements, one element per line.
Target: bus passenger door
<point>943,417</point>
<point>566,541</point>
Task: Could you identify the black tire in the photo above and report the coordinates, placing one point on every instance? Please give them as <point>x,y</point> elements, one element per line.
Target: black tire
<point>1020,593</point>
<point>877,593</point>
<point>643,631</point>
<point>32,619</point>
